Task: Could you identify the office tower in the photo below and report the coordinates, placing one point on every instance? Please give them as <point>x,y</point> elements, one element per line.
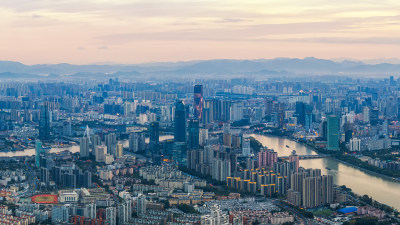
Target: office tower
<point>179,153</point>
<point>300,113</point>
<point>38,151</point>
<point>180,122</point>
<point>67,128</point>
<point>267,158</point>
<point>101,152</point>
<point>246,150</point>
<point>308,117</point>
<point>59,214</point>
<point>195,158</point>
<point>269,107</point>
<point>348,132</point>
<point>194,132</point>
<point>203,137</point>
<point>324,130</point>
<point>154,131</point>
<point>111,143</point>
<point>333,126</point>
<point>68,180</point>
<point>84,147</point>
<point>236,111</point>
<point>374,117</point>
<point>141,205</point>
<point>96,141</point>
<point>44,123</point>
<point>111,215</point>
<point>295,159</point>
<point>137,141</point>
<point>125,211</point>
<point>365,113</point>
<point>87,179</point>
<point>227,137</point>
<point>280,115</point>
<point>45,175</point>
<point>208,112</point>
<point>198,102</point>
<point>119,152</point>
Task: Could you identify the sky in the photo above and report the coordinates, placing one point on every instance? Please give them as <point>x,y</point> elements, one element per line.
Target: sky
<point>127,31</point>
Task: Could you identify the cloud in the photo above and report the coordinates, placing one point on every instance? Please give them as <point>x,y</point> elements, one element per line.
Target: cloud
<point>34,15</point>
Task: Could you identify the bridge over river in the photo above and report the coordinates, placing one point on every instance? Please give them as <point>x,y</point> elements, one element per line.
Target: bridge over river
<point>308,156</point>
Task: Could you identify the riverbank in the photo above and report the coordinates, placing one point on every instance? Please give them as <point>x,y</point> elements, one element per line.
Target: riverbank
<point>333,156</point>
<point>368,171</point>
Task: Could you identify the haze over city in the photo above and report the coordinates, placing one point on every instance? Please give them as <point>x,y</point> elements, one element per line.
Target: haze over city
<point>240,112</point>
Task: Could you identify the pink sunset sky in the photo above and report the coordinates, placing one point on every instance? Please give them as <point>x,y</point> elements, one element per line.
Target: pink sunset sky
<point>122,31</point>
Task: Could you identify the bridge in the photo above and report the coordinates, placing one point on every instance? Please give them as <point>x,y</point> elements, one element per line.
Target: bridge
<point>319,156</point>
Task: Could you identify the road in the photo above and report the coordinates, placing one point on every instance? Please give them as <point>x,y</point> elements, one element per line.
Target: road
<point>299,217</point>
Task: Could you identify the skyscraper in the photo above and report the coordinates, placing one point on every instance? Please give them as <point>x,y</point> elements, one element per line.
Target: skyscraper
<point>180,122</point>
<point>333,132</point>
<point>194,132</point>
<point>300,113</point>
<point>84,147</point>
<point>137,141</point>
<point>38,150</point>
<point>198,101</point>
<point>295,158</point>
<point>111,143</point>
<point>44,123</point>
<point>154,133</point>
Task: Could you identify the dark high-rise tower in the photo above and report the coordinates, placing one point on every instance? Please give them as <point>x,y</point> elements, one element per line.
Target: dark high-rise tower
<point>154,131</point>
<point>44,123</point>
<point>180,122</point>
<point>198,101</point>
<point>194,132</point>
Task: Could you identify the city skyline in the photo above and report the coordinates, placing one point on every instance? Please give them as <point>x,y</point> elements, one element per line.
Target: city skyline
<point>136,31</point>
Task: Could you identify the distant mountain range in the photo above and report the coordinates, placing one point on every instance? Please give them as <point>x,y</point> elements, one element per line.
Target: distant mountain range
<point>205,68</point>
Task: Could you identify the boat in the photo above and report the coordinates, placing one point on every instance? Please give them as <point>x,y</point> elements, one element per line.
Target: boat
<point>328,168</point>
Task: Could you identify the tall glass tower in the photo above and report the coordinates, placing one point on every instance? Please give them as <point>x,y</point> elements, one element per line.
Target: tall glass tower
<point>44,123</point>
<point>333,132</point>
<point>198,101</point>
<point>180,122</point>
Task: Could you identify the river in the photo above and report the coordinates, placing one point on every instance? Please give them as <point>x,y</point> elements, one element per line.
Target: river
<point>72,148</point>
<point>382,189</point>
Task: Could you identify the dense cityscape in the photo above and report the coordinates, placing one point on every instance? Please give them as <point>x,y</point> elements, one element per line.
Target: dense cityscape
<point>240,151</point>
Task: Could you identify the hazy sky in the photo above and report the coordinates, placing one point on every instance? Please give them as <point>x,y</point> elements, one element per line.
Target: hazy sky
<point>123,31</point>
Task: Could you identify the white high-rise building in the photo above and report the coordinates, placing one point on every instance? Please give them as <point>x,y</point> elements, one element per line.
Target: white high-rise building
<point>111,215</point>
<point>141,205</point>
<point>125,212</point>
<point>246,150</point>
<point>355,144</point>
<point>365,112</point>
<point>203,136</point>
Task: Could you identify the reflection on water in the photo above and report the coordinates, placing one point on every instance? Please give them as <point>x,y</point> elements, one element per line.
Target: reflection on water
<point>31,151</point>
<point>382,189</point>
